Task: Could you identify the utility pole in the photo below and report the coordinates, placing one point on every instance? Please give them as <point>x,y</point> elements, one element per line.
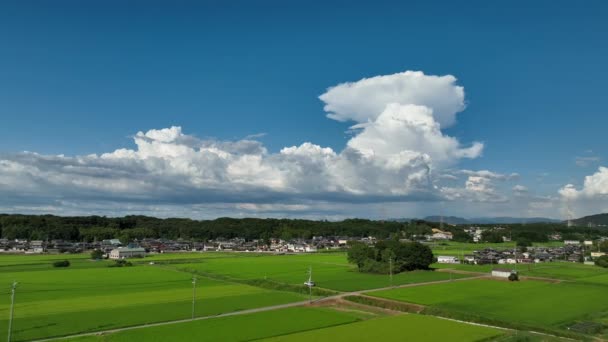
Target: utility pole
<point>10,320</point>
<point>193,294</point>
<point>310,284</point>
<point>310,294</point>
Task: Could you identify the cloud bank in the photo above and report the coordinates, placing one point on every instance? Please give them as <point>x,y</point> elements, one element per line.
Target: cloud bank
<point>397,153</point>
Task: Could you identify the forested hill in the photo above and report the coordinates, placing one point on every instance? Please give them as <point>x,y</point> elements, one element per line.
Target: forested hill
<point>598,220</point>
<point>87,228</point>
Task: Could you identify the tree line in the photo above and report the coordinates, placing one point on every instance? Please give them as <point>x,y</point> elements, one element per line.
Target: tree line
<point>90,228</point>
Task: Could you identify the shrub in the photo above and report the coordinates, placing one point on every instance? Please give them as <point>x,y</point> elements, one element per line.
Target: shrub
<point>97,254</point>
<point>121,263</point>
<point>513,277</point>
<point>602,261</point>
<point>61,263</point>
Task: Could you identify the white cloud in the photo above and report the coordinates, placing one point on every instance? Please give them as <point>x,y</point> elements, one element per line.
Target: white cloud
<point>594,186</point>
<point>364,100</point>
<point>397,142</point>
<point>590,198</point>
<point>409,130</point>
<point>489,174</point>
<point>479,186</point>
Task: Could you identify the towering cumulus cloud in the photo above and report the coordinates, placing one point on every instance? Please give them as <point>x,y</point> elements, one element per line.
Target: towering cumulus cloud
<point>591,198</point>
<point>396,146</point>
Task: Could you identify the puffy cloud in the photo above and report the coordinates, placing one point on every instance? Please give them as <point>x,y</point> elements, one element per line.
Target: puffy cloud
<point>397,141</point>
<point>168,165</point>
<point>409,129</point>
<point>595,185</point>
<point>590,198</point>
<point>364,100</point>
<point>479,186</point>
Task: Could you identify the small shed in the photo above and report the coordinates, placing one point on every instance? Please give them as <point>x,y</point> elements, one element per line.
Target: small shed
<point>502,272</point>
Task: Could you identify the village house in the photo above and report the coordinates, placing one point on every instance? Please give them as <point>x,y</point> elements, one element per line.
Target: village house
<point>447,259</point>
<point>127,252</point>
<point>36,246</point>
<point>441,235</point>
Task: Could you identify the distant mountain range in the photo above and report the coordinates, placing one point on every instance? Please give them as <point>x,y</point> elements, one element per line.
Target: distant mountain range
<point>593,220</point>
<point>483,220</point>
<point>599,220</point>
<point>490,220</point>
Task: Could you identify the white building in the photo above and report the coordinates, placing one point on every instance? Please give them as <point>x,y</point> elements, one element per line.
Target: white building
<point>446,259</point>
<point>122,253</point>
<point>502,272</point>
<point>37,246</point>
<point>572,242</point>
<point>442,236</point>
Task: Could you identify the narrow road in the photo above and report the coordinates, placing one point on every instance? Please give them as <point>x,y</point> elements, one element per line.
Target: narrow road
<point>354,293</point>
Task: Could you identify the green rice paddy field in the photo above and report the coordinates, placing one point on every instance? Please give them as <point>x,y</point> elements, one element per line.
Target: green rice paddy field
<point>66,301</point>
<point>88,296</point>
<point>535,303</point>
<point>330,270</point>
<point>307,324</point>
<point>410,327</point>
<point>555,270</point>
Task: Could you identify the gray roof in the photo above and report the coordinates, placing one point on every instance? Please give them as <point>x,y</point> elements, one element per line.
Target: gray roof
<point>127,249</point>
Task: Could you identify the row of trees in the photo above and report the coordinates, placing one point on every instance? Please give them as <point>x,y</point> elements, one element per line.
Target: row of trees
<point>390,255</point>
<point>138,227</point>
<point>89,228</point>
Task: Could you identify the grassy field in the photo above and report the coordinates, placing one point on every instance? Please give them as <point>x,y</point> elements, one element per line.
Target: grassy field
<point>409,327</point>
<point>235,328</point>
<point>66,301</point>
<point>330,271</point>
<point>530,302</point>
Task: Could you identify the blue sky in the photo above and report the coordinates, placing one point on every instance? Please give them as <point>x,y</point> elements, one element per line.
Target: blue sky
<point>83,78</point>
